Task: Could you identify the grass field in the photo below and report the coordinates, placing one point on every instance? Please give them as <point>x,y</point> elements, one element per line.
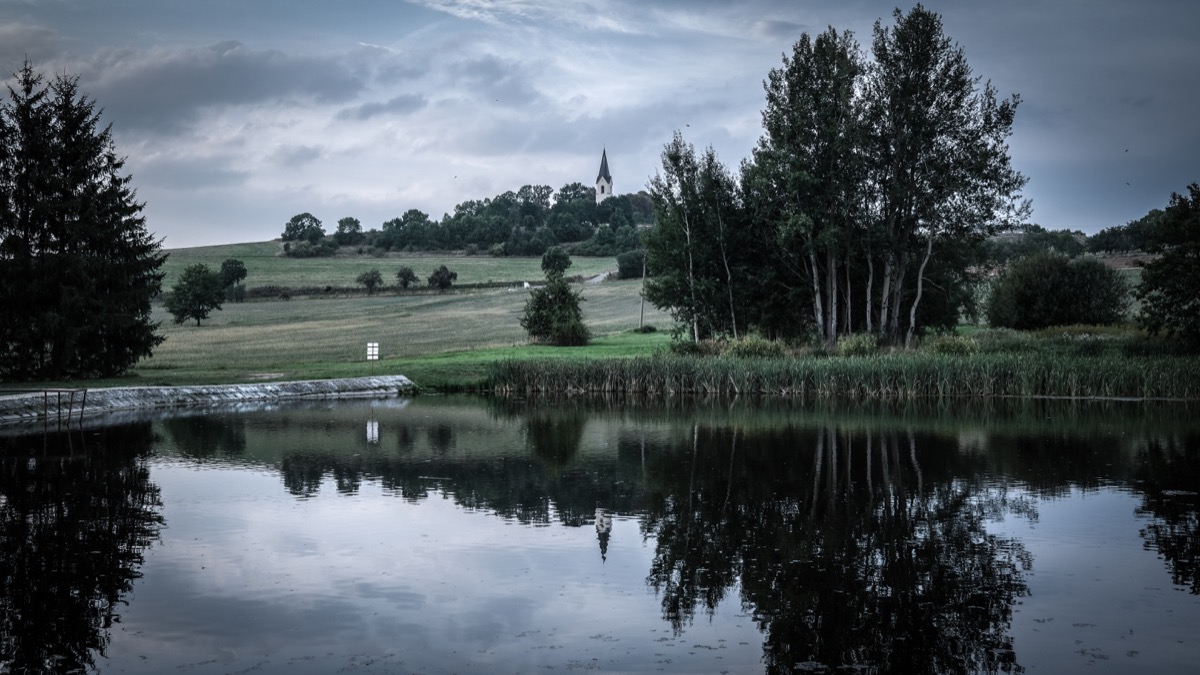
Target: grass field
<point>266,267</point>
<point>438,340</point>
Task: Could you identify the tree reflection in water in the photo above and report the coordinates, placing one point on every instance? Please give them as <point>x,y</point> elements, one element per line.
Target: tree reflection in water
<point>76,515</point>
<point>849,554</point>
<point>1168,477</point>
<point>856,541</point>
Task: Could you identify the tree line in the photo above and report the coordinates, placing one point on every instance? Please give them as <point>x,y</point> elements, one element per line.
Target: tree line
<point>874,202</point>
<point>864,206</point>
<point>521,223</point>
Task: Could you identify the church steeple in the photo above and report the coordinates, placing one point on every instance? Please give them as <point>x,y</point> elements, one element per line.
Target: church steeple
<point>604,181</point>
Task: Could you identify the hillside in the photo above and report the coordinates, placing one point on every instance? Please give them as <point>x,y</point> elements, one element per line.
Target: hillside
<point>265,266</point>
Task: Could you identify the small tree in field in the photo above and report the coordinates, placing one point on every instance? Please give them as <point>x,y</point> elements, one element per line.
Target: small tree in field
<point>405,276</point>
<point>442,278</point>
<point>231,274</point>
<point>197,293</point>
<point>555,262</point>
<point>552,313</point>
<point>371,280</point>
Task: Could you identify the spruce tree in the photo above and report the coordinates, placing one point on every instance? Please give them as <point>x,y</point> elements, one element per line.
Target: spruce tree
<point>78,268</point>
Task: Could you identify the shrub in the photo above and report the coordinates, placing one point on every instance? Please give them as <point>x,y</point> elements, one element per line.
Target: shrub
<point>405,276</point>
<point>690,348</point>
<point>859,344</point>
<point>630,264</point>
<point>1001,340</point>
<point>552,315</point>
<point>754,346</point>
<point>442,278</point>
<point>371,279</point>
<point>1047,289</point>
<point>957,345</point>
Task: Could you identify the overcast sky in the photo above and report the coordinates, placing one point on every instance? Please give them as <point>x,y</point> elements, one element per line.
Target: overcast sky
<point>237,115</point>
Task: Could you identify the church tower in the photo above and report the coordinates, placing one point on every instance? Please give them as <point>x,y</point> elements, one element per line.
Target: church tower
<point>604,182</point>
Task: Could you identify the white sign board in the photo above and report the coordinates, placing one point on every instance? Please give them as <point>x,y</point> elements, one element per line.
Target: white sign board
<point>372,351</point>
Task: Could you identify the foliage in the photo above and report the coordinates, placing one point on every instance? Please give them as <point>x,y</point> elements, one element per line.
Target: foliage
<point>865,206</point>
<point>442,278</point>
<point>349,232</point>
<point>903,376</point>
<point>197,293</point>
<point>405,276</point>
<point>810,160</point>
<point>303,249</point>
<point>754,347</point>
<point>1004,249</point>
<point>371,279</point>
<point>525,222</point>
<point>1170,285</point>
<point>1132,236</point>
<point>78,268</point>
<point>555,262</point>
<point>552,315</point>
<point>303,227</point>
<point>858,344</point>
<point>957,186</point>
<point>631,264</point>
<point>232,272</point>
<point>955,345</point>
<point>700,248</point>
<point>1048,289</point>
<point>609,240</point>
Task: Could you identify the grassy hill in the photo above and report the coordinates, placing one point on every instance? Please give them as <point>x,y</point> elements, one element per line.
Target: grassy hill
<point>437,339</point>
<point>265,266</point>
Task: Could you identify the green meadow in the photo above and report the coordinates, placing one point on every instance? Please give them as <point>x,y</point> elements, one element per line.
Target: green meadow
<point>265,266</point>
<point>439,340</point>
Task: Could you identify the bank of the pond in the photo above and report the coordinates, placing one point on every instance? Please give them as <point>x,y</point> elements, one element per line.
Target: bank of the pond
<point>58,406</point>
<point>898,376</point>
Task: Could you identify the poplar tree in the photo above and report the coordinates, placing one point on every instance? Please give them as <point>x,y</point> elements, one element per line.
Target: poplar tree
<point>78,268</point>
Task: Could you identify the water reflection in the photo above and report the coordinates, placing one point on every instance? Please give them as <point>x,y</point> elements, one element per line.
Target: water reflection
<point>1169,479</point>
<point>853,539</point>
<point>76,515</point>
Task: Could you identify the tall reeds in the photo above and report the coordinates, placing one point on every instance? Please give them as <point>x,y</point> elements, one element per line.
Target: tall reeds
<point>896,376</point>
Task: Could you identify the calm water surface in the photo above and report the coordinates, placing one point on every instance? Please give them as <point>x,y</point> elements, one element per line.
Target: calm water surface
<point>457,535</point>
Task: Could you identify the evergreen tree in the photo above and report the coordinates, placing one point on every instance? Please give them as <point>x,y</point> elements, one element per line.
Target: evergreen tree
<point>552,314</point>
<point>78,267</point>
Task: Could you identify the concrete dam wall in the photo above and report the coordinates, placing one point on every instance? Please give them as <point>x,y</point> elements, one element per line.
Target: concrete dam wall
<point>55,405</point>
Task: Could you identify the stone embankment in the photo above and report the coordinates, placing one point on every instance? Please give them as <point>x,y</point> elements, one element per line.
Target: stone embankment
<point>36,406</point>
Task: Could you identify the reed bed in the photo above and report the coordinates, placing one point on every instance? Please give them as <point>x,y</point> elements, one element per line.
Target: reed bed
<point>882,377</point>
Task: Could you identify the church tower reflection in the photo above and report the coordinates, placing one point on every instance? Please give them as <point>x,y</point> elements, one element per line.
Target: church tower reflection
<point>603,531</point>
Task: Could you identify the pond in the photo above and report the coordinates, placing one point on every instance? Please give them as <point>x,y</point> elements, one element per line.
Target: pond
<point>465,535</point>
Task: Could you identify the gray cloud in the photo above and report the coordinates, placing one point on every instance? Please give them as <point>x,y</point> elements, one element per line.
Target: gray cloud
<point>196,173</point>
<point>399,105</point>
<point>296,155</point>
<point>21,41</point>
<point>490,77</point>
<point>166,90</point>
<point>780,30</point>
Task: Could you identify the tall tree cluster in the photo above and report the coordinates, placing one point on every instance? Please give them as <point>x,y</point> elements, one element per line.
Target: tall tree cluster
<point>78,267</point>
<point>864,206</point>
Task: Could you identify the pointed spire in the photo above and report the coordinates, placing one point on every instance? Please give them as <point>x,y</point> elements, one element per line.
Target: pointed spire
<point>604,174</point>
